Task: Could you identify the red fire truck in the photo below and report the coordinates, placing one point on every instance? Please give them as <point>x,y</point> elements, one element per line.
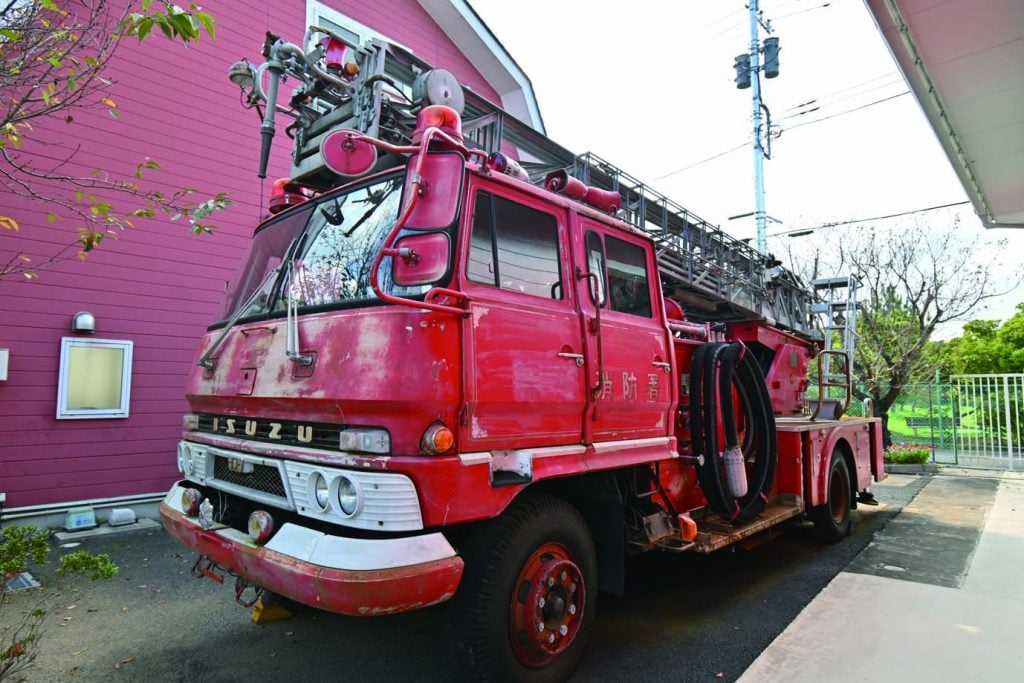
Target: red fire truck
<point>463,364</point>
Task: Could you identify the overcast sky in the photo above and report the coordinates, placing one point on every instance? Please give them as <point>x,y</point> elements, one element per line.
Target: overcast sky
<point>648,85</point>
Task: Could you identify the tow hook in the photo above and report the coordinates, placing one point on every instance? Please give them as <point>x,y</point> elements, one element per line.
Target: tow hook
<point>241,585</point>
<point>204,566</point>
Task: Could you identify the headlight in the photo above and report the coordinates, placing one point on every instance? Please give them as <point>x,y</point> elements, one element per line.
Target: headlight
<point>319,491</point>
<point>185,464</point>
<point>349,497</point>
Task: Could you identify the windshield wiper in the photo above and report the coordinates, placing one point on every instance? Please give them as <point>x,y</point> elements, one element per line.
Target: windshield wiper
<point>376,199</point>
<point>205,360</point>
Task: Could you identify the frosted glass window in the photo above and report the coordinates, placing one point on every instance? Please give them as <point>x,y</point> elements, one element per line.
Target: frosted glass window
<point>95,378</point>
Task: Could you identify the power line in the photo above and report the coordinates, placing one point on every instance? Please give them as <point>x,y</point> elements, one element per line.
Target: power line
<point>827,102</point>
<point>849,87</point>
<point>802,11</point>
<point>848,111</point>
<point>723,18</point>
<point>866,220</point>
<point>702,161</point>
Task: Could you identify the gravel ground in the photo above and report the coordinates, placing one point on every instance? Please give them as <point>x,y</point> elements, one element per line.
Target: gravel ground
<point>683,618</point>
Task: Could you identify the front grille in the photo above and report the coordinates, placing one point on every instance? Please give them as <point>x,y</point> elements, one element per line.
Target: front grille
<point>263,478</point>
<point>307,434</point>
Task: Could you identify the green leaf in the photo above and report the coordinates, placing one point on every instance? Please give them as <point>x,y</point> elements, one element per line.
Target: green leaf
<point>54,62</point>
<point>51,218</point>
<point>207,21</point>
<point>115,113</point>
<point>143,29</point>
<point>10,34</point>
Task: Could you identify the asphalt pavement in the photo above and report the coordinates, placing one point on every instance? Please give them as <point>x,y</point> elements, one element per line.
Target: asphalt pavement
<point>683,618</point>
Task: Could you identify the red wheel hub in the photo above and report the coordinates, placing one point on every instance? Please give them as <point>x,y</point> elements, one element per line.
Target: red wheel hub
<point>547,605</point>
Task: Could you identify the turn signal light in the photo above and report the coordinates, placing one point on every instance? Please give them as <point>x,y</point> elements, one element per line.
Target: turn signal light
<point>437,439</point>
<point>190,500</point>
<point>261,526</point>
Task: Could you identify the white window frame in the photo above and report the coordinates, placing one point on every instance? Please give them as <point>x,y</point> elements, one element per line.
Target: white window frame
<point>315,10</point>
<point>66,344</point>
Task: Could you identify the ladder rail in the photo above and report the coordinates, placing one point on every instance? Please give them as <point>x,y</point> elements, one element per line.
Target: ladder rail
<point>719,277</point>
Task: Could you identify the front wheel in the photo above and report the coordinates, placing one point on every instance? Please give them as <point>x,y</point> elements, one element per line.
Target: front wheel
<point>832,518</point>
<point>527,599</point>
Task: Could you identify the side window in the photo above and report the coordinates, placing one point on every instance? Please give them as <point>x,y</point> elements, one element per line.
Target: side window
<point>514,247</point>
<point>628,286</point>
<point>595,265</point>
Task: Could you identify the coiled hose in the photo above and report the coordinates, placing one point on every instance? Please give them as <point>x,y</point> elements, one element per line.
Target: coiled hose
<point>711,405</point>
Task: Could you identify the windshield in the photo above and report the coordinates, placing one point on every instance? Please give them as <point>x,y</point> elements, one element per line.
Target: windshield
<point>333,243</point>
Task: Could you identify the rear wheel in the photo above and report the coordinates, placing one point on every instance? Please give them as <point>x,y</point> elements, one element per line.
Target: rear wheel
<point>527,598</point>
<point>832,518</point>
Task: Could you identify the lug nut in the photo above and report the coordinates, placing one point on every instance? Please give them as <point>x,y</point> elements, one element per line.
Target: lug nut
<point>572,609</point>
<point>563,629</point>
<point>540,626</point>
<point>551,581</point>
<point>564,576</point>
<point>551,637</point>
<point>541,603</point>
<point>572,587</point>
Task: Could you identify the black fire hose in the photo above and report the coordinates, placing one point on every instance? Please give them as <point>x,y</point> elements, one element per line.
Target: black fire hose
<point>711,404</point>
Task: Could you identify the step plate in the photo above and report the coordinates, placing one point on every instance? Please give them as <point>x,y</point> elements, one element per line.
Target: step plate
<point>714,533</point>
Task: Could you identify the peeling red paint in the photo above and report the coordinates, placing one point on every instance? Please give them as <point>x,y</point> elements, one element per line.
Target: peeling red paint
<point>351,592</point>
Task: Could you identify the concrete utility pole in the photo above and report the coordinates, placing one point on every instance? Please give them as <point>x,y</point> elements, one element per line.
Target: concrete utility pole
<point>748,75</point>
<point>755,66</point>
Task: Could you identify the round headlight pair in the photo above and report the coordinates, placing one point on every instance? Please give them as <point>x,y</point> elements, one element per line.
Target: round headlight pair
<point>345,492</point>
<point>185,464</point>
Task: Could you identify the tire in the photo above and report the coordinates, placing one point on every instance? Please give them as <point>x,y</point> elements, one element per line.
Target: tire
<point>528,596</point>
<point>832,518</point>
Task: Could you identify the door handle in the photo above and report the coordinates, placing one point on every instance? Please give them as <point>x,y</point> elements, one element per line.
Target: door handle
<point>578,357</point>
<point>664,366</point>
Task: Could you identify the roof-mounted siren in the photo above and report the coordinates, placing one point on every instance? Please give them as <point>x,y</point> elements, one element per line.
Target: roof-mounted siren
<point>560,182</point>
<point>439,86</point>
<point>439,96</point>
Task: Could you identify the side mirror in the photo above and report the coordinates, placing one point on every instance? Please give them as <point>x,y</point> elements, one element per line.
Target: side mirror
<point>441,175</point>
<point>420,259</point>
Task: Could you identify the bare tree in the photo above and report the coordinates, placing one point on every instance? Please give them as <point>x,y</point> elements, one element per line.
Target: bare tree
<point>53,59</point>
<point>912,281</point>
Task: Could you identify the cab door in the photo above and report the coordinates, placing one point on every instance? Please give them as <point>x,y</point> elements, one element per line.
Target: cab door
<point>524,356</point>
<point>628,352</point>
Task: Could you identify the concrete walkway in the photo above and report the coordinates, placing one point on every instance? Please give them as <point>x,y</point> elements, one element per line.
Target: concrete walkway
<point>937,596</point>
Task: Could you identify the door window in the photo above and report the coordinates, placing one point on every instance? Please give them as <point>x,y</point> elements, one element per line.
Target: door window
<point>621,269</point>
<point>514,247</point>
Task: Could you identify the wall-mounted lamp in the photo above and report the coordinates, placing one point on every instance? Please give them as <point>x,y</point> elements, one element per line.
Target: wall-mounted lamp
<point>83,321</point>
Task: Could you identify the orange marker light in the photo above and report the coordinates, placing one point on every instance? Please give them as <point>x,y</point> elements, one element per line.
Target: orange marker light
<point>437,439</point>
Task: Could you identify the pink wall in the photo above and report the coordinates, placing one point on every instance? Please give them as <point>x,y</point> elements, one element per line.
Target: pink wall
<point>156,285</point>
